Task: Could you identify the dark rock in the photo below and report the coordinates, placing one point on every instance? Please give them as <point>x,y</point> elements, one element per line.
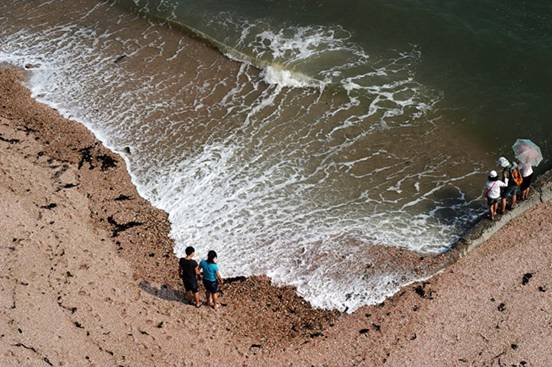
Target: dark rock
<point>106,161</point>
<point>526,278</point>
<point>237,279</point>
<point>25,346</point>
<point>78,324</point>
<point>9,141</point>
<point>49,206</point>
<point>363,331</point>
<point>514,346</point>
<point>120,227</point>
<point>420,291</point>
<point>122,197</point>
<point>126,150</point>
<point>119,59</point>
<point>316,334</point>
<point>501,307</point>
<point>542,288</point>
<point>376,327</point>
<point>27,130</point>
<point>255,348</point>
<point>86,157</point>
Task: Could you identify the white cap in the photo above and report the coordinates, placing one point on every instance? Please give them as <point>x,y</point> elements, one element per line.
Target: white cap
<point>493,174</point>
<point>503,162</point>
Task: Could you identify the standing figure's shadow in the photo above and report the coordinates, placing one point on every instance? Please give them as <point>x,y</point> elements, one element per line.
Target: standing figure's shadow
<point>165,292</point>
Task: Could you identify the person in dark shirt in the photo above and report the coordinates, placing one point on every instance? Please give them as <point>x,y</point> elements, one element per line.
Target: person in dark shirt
<point>512,190</point>
<point>189,271</point>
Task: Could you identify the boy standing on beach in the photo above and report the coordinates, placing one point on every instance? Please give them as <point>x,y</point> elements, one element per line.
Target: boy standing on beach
<point>189,271</point>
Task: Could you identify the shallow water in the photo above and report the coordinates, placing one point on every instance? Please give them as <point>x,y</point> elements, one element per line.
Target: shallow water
<point>352,134</point>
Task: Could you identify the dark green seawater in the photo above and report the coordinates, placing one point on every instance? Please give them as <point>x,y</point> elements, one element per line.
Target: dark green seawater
<point>491,59</point>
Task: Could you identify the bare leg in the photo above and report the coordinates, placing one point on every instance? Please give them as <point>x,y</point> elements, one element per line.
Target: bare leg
<point>503,206</point>
<point>494,207</point>
<point>514,200</point>
<point>196,299</point>
<point>215,299</point>
<point>208,297</point>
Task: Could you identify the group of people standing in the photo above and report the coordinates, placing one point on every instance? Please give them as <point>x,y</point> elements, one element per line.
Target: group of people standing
<point>208,270</point>
<point>514,180</point>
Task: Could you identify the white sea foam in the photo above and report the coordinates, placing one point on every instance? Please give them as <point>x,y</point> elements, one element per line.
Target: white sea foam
<point>287,78</point>
<point>269,169</point>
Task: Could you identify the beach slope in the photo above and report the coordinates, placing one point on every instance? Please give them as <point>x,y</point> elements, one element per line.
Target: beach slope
<point>88,278</point>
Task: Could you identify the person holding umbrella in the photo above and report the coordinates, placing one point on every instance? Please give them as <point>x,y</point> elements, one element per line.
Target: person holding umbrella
<point>527,174</point>
<point>528,155</point>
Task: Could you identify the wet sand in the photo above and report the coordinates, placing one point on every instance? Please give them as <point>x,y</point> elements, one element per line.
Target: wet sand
<point>88,278</point>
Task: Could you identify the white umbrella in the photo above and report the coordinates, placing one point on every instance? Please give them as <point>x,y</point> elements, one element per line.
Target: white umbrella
<point>527,152</point>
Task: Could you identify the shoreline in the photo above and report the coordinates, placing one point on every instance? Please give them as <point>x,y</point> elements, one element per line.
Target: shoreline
<point>425,265</point>
<point>483,229</point>
<point>51,78</point>
<point>260,323</point>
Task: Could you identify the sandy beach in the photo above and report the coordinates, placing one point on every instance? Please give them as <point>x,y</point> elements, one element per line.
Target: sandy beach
<point>88,277</point>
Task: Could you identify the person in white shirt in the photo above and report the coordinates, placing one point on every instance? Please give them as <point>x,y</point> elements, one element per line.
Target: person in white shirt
<point>492,192</point>
<point>527,174</point>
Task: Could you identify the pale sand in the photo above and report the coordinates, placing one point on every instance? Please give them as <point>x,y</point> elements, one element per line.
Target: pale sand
<point>72,294</point>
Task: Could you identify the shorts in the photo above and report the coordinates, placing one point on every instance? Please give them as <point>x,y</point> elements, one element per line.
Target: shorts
<point>211,287</point>
<point>190,286</point>
<point>509,191</point>
<point>492,201</point>
<point>526,182</point>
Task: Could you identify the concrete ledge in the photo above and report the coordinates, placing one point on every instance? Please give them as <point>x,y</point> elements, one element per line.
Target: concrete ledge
<point>541,191</point>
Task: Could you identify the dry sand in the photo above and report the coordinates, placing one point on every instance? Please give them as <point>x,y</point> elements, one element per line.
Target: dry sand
<point>87,277</point>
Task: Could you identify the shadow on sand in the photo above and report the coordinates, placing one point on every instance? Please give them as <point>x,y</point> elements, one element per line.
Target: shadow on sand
<point>165,292</point>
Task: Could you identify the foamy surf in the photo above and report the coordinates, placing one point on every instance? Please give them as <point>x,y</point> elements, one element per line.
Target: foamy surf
<point>277,172</point>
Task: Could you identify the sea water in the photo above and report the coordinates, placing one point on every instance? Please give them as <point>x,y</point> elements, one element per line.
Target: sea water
<point>298,135</point>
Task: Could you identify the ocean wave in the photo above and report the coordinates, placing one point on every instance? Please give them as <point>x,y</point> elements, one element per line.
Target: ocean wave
<point>272,168</point>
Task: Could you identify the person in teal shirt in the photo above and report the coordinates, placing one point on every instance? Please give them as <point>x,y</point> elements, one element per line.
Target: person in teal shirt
<point>211,278</point>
